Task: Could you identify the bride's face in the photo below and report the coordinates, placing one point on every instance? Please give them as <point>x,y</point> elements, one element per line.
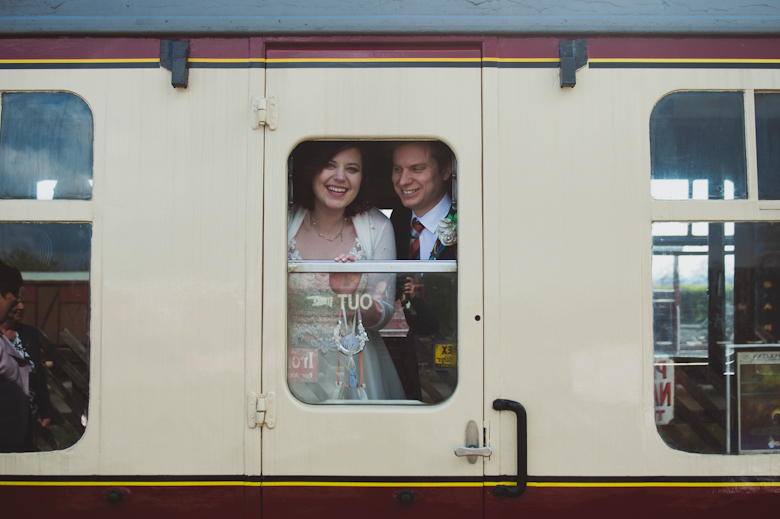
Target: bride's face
<point>337,185</point>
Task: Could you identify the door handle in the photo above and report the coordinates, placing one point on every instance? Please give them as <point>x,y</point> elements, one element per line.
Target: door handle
<point>473,451</point>
<point>522,448</point>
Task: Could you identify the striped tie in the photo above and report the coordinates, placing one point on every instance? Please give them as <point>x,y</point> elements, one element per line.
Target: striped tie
<point>414,247</point>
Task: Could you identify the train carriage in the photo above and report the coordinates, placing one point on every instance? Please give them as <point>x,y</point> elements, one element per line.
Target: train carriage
<point>617,212</point>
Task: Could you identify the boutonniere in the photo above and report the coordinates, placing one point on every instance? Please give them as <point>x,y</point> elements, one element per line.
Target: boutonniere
<point>447,230</point>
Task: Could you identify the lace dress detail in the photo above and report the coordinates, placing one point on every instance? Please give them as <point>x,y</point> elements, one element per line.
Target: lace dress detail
<point>314,305</point>
<point>317,372</point>
<point>292,251</point>
<point>294,255</point>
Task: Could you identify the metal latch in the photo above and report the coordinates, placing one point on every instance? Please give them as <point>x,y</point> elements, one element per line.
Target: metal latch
<point>261,410</point>
<point>264,112</point>
<point>472,450</point>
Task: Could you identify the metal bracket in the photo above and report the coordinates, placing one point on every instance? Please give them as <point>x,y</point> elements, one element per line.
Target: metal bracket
<point>173,56</point>
<point>261,410</point>
<point>574,56</point>
<point>264,112</point>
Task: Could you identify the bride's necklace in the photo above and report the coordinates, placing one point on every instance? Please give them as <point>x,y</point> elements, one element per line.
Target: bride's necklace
<point>323,237</point>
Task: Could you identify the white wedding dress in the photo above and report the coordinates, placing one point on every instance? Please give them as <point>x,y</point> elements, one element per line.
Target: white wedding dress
<point>317,371</point>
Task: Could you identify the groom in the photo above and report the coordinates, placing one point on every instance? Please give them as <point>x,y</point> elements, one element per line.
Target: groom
<point>421,177</point>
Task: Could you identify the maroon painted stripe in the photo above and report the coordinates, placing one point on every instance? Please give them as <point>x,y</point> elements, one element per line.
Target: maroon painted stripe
<point>219,48</point>
<point>392,47</point>
<point>636,503</point>
<point>684,48</point>
<point>527,48</point>
<point>321,502</point>
<point>374,52</point>
<point>79,48</point>
<point>646,48</point>
<point>152,502</point>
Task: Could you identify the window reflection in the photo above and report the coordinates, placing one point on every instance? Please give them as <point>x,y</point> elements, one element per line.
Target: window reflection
<point>45,189</point>
<point>767,137</point>
<point>697,147</point>
<point>321,371</point>
<point>401,346</point>
<point>45,147</point>
<point>54,259</point>
<point>716,295</point>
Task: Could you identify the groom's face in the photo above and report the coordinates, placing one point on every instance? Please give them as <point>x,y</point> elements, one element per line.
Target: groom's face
<point>418,180</point>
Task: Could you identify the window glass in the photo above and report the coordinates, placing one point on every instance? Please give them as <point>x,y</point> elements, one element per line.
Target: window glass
<point>45,147</point>
<point>697,147</point>
<point>767,139</point>
<point>52,324</point>
<point>387,333</point>
<point>330,361</point>
<point>716,327</point>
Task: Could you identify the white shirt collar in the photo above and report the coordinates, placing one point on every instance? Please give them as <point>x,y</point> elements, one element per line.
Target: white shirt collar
<point>431,219</point>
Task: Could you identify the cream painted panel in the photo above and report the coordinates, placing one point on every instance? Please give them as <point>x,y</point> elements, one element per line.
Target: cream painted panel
<point>573,330</point>
<point>254,275</point>
<point>492,283</point>
<point>169,273</point>
<point>376,104</point>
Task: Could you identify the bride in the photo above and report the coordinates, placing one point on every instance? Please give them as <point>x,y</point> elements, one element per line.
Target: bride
<point>335,351</point>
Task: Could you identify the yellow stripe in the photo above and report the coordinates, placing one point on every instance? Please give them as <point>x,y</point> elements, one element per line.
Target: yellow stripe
<point>368,484</point>
<point>375,60</point>
<point>231,483</point>
<point>641,484</point>
<point>390,60</point>
<point>226,60</point>
<point>128,483</point>
<point>523,60</point>
<point>379,60</point>
<point>643,60</point>
<point>43,61</point>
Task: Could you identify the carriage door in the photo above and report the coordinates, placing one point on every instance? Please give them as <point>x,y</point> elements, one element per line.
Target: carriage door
<point>332,444</point>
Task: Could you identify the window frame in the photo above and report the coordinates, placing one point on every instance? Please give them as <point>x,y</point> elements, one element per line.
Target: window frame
<point>751,209</point>
<point>71,211</point>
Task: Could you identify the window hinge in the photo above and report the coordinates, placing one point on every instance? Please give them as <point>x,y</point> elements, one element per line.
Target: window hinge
<point>261,409</point>
<point>264,112</point>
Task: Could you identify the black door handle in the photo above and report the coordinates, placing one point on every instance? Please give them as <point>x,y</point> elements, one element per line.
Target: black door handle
<point>522,448</point>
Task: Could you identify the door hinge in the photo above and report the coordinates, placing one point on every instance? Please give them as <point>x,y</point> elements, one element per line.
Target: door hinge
<point>264,112</point>
<point>261,410</point>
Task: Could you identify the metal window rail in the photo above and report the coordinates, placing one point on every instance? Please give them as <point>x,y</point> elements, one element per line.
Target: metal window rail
<point>372,266</point>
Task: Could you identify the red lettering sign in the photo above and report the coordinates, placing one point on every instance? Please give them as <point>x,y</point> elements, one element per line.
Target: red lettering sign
<point>302,365</point>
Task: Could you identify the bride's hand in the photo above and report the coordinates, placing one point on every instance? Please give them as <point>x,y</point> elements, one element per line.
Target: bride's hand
<point>344,283</point>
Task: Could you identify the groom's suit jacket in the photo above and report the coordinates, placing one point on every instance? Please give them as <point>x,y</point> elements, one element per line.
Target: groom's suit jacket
<point>432,313</point>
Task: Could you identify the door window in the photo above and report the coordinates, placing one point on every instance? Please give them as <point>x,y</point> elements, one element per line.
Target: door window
<point>387,334</point>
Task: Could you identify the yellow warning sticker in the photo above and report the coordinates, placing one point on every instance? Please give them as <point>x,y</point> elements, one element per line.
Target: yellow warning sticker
<point>446,356</point>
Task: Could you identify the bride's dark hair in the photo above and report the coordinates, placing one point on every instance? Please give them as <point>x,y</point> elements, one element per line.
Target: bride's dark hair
<point>310,157</point>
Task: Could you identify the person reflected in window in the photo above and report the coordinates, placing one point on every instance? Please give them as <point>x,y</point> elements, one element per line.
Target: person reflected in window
<point>425,229</point>
<point>335,351</point>
<point>14,372</point>
<point>26,342</point>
